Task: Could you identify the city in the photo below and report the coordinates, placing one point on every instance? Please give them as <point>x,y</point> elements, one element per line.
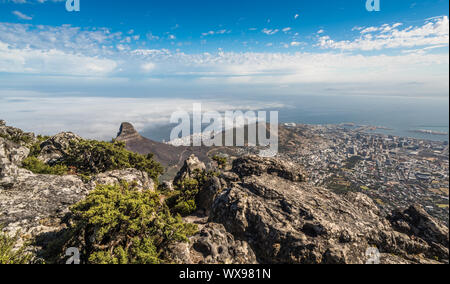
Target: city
<point>396,172</point>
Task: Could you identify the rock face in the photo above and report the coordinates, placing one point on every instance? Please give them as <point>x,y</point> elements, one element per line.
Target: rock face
<point>212,245</point>
<point>57,147</point>
<point>127,132</point>
<point>287,221</point>
<point>191,165</point>
<point>415,221</point>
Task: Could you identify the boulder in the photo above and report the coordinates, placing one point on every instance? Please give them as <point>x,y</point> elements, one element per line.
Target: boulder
<point>256,166</point>
<point>207,194</point>
<point>136,179</point>
<point>191,165</point>
<point>57,147</point>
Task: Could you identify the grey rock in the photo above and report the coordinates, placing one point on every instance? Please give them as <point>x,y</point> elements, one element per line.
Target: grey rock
<point>138,180</point>
<point>212,245</point>
<point>255,165</point>
<point>207,194</point>
<point>16,135</point>
<point>191,165</point>
<point>57,147</point>
<point>167,186</point>
<point>286,221</point>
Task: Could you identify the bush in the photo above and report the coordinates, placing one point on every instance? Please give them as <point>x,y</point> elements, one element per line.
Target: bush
<point>221,161</point>
<point>93,157</point>
<point>38,167</point>
<point>8,253</point>
<point>18,138</point>
<point>90,157</point>
<point>183,200</point>
<point>35,149</point>
<point>117,225</point>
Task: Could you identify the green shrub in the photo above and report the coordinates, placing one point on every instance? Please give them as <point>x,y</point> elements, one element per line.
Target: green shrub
<point>18,138</point>
<point>117,225</point>
<point>8,253</point>
<point>38,167</point>
<point>221,161</point>
<point>183,199</point>
<point>92,157</point>
<point>35,149</point>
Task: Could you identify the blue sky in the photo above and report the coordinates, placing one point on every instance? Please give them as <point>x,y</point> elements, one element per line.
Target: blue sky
<point>243,51</point>
<point>237,25</point>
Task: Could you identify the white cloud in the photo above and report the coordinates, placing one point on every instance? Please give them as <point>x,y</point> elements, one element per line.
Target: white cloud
<point>53,61</point>
<point>100,118</point>
<point>21,15</point>
<point>433,32</point>
<point>270,31</point>
<point>69,51</point>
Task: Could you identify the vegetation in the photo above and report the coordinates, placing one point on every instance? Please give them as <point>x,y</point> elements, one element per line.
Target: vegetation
<point>119,225</point>
<point>221,161</point>
<point>35,149</point>
<point>93,157</point>
<point>19,138</point>
<point>89,157</point>
<point>183,199</point>
<point>38,167</point>
<point>9,254</point>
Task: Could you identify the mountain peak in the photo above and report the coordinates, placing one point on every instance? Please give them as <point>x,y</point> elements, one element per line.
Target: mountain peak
<point>126,132</point>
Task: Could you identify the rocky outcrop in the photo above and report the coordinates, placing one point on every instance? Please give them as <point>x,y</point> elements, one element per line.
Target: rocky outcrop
<point>212,245</point>
<point>191,165</point>
<point>415,221</point>
<point>15,134</point>
<point>287,221</point>
<point>255,166</point>
<point>35,205</point>
<point>57,147</point>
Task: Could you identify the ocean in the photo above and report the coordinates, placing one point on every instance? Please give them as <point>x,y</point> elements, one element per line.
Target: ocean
<point>401,116</point>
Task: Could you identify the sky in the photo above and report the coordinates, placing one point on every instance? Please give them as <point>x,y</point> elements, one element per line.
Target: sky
<point>137,59</point>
